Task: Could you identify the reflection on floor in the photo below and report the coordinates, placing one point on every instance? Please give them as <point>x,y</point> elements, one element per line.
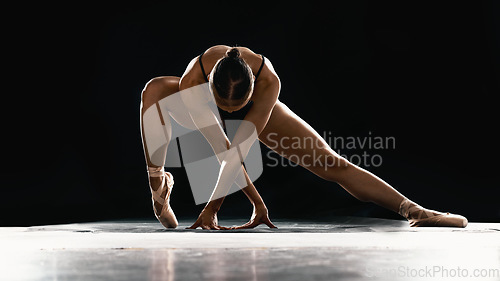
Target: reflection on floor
<point>344,248</point>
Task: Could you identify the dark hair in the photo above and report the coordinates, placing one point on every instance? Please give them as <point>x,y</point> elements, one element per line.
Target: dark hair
<point>232,78</point>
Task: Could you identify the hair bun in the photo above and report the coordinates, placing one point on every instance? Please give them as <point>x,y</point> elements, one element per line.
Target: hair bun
<point>233,53</point>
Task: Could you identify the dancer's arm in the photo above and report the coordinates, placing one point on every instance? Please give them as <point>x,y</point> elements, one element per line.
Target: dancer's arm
<point>265,97</point>
<point>204,119</point>
<point>195,100</point>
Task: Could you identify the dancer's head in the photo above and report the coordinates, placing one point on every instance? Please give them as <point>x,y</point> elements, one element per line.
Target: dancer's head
<point>231,81</point>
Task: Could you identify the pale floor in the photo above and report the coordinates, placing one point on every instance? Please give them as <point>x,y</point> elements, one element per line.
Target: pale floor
<point>343,248</point>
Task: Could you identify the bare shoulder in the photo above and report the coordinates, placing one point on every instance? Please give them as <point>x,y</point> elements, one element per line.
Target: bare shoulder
<point>268,76</point>
<point>268,85</point>
<point>192,76</point>
<point>253,59</point>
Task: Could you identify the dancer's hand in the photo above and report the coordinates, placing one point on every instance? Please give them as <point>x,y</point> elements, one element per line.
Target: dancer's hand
<point>259,216</point>
<point>207,220</point>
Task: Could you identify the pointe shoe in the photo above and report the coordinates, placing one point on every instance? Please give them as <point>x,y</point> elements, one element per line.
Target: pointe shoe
<point>421,217</point>
<point>166,216</point>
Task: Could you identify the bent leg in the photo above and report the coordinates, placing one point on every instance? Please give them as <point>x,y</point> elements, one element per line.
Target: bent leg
<point>155,90</point>
<point>291,137</point>
<point>156,132</point>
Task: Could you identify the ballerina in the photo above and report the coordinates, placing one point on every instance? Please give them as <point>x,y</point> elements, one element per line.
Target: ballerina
<point>246,83</point>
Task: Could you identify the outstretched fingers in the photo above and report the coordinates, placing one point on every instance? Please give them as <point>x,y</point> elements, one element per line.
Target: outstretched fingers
<point>207,227</point>
<point>245,226</point>
<point>254,223</point>
<point>268,222</point>
<point>194,226</point>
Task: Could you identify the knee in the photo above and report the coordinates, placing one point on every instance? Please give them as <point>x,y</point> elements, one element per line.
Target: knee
<point>151,92</point>
<point>158,88</point>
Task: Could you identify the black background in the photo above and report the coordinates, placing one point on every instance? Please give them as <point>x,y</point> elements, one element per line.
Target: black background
<point>426,73</point>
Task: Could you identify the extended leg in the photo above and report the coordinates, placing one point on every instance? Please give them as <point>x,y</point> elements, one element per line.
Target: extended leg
<point>283,129</point>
